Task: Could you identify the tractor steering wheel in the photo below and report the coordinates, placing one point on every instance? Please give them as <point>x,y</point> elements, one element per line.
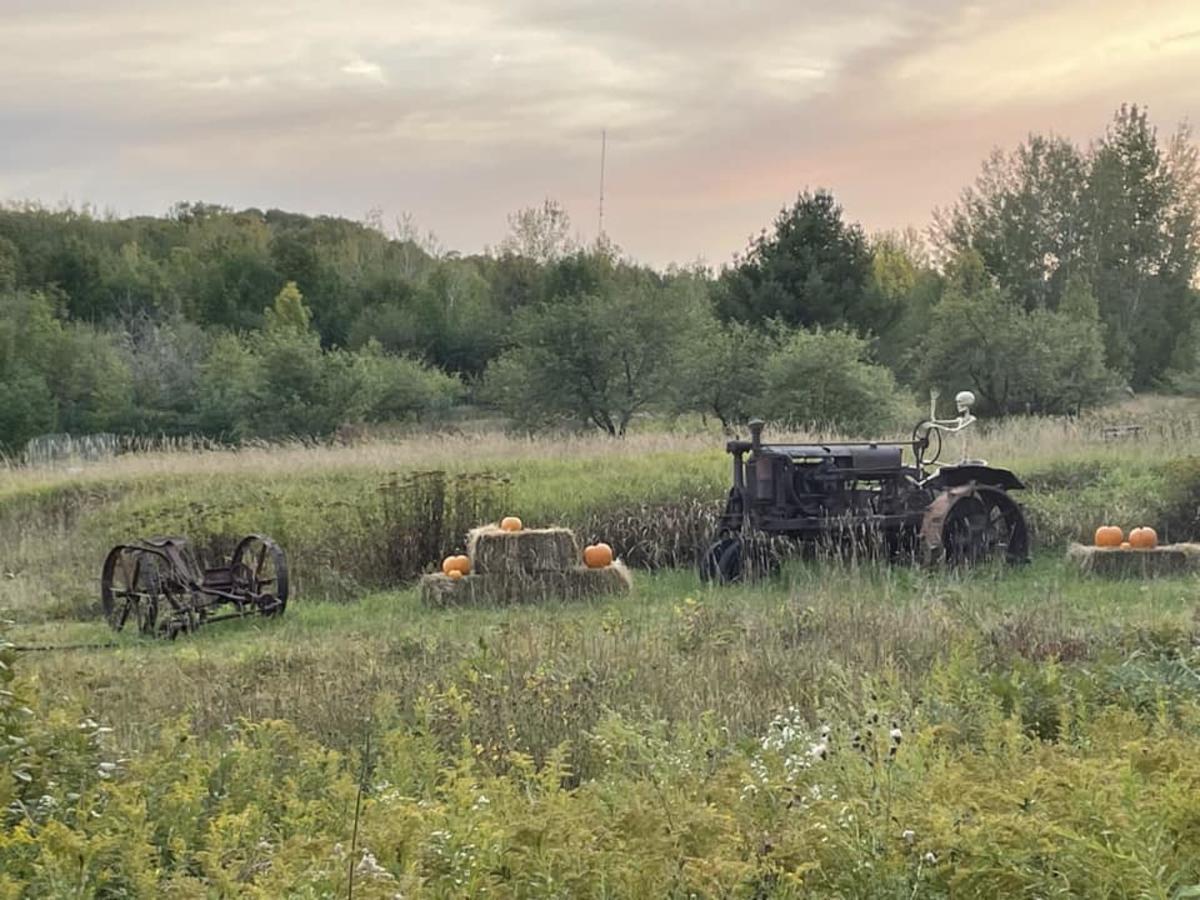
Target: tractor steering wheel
<point>922,437</point>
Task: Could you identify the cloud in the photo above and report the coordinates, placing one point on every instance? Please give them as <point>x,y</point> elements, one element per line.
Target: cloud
<point>363,69</point>
<point>462,110</point>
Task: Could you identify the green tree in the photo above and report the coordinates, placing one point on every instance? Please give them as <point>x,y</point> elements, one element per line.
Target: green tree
<point>27,410</point>
<point>1142,210</point>
<point>723,374</point>
<point>295,386</point>
<point>91,382</point>
<point>1015,360</point>
<point>9,264</point>
<point>826,378</point>
<point>1025,218</point>
<point>1122,215</point>
<point>58,377</point>
<point>228,395</point>
<point>812,269</point>
<point>539,233</point>
<point>401,389</point>
<point>596,359</point>
<point>902,276</point>
<point>288,312</point>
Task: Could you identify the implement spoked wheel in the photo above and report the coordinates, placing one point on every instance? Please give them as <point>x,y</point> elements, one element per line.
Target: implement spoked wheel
<point>131,589</point>
<point>259,569</point>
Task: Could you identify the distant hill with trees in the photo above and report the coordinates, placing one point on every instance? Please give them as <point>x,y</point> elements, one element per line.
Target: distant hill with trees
<point>1060,274</point>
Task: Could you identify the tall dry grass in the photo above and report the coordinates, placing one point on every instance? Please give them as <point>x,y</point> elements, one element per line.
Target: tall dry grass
<point>653,495</point>
<point>1171,428</point>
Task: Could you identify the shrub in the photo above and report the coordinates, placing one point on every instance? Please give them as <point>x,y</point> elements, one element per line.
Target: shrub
<point>596,359</point>
<point>826,378</point>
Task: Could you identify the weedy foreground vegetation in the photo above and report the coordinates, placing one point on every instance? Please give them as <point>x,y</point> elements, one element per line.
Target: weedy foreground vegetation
<point>845,729</point>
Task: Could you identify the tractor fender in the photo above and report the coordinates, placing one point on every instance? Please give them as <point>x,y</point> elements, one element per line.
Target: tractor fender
<point>970,473</point>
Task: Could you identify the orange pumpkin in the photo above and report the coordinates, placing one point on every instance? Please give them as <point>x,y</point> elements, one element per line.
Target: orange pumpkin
<point>1125,545</point>
<point>459,564</point>
<point>1109,536</point>
<point>597,556</point>
<point>455,574</point>
<point>511,523</point>
<point>1144,538</point>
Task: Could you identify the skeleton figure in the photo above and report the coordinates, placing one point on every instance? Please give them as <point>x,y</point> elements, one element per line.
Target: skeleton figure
<point>963,401</point>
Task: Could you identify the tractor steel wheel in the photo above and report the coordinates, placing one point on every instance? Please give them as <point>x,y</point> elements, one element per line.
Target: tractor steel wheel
<point>973,526</point>
<point>722,561</point>
<point>260,570</point>
<point>965,533</point>
<point>1006,524</point>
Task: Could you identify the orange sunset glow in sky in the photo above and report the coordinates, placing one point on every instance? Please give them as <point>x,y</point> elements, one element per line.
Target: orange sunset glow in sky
<point>461,112</point>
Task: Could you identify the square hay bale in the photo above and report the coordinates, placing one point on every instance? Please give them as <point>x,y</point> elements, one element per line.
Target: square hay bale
<point>494,551</point>
<point>576,583</point>
<point>1115,562</point>
<point>583,582</point>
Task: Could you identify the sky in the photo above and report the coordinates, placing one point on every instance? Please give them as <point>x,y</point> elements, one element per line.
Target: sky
<point>458,113</point>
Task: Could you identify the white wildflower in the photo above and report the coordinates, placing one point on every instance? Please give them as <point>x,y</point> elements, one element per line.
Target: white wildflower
<point>931,858</point>
<point>909,835</point>
<point>369,867</point>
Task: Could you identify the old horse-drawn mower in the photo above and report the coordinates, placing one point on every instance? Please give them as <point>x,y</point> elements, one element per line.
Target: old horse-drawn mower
<point>159,585</point>
<point>867,495</point>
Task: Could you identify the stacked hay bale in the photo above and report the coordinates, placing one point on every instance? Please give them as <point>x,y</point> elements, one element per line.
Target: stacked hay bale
<point>1125,562</point>
<point>523,566</point>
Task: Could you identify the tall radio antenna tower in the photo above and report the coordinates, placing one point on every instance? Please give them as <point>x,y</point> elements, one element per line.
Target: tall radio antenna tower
<point>603,152</point>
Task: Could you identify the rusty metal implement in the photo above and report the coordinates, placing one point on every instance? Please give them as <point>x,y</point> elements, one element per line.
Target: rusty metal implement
<point>159,586</point>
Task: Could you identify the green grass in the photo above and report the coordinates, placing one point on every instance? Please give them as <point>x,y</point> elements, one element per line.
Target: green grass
<point>994,677</point>
<point>655,744</point>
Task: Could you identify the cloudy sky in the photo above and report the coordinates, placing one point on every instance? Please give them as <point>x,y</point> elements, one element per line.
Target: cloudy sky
<point>458,112</point>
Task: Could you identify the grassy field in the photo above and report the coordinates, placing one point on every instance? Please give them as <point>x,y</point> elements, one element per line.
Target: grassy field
<point>850,730</point>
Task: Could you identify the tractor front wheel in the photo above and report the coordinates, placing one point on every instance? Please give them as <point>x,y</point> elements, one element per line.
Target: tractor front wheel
<point>722,561</point>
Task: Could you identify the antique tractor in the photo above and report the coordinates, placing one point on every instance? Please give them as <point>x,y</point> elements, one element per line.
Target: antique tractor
<point>159,585</point>
<point>869,497</point>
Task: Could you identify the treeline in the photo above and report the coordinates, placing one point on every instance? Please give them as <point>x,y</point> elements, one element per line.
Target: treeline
<point>1062,274</point>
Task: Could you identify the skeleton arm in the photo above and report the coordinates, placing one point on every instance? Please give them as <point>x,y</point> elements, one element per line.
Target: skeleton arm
<point>952,426</point>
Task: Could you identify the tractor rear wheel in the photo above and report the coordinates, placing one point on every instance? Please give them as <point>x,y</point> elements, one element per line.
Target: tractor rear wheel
<point>967,527</point>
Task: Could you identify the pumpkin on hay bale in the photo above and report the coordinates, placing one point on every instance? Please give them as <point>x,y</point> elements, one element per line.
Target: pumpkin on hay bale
<point>1125,561</point>
<point>497,551</point>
